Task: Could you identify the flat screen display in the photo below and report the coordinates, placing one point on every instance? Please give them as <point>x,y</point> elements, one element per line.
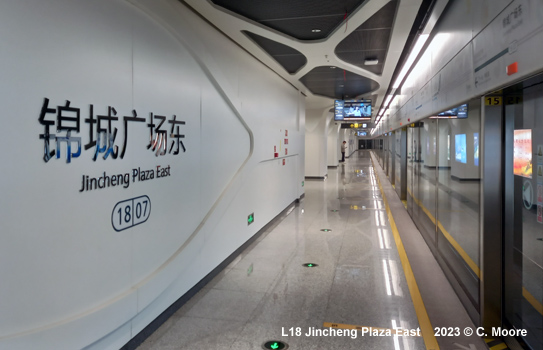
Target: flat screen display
<point>522,153</point>
<point>460,112</point>
<point>362,133</point>
<point>352,109</point>
<point>460,147</point>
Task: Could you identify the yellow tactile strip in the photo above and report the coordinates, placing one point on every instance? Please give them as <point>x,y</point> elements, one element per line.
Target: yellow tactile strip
<point>427,330</point>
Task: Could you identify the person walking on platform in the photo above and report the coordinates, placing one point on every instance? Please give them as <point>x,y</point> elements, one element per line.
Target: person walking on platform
<point>343,149</point>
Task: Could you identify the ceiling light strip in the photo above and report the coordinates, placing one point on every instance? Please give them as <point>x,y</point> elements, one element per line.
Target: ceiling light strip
<point>412,56</point>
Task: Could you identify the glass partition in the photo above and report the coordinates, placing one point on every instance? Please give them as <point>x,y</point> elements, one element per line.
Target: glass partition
<point>397,160</point>
<point>442,177</point>
<point>523,247</point>
<point>391,154</point>
<point>411,158</point>
<point>458,197</point>
<point>423,191</point>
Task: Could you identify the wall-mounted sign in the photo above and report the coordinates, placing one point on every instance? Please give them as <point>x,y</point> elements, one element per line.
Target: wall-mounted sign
<point>130,212</point>
<point>493,101</point>
<point>102,135</point>
<point>353,125</point>
<point>90,183</point>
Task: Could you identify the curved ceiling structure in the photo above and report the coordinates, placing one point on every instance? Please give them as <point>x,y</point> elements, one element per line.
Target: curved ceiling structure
<point>290,59</point>
<point>364,39</point>
<point>296,18</point>
<point>369,42</point>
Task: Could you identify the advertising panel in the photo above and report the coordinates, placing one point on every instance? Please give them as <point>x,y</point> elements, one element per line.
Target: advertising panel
<point>522,153</point>
<point>460,146</point>
<point>476,148</point>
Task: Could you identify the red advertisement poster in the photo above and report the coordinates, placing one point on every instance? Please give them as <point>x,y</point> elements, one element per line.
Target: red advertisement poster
<point>522,153</point>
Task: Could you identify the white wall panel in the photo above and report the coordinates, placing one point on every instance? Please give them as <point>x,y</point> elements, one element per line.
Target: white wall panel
<point>484,11</point>
<point>473,45</point>
<point>454,33</point>
<point>514,36</point>
<point>69,280</point>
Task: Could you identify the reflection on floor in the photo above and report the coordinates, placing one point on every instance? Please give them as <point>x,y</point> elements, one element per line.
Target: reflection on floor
<point>267,293</point>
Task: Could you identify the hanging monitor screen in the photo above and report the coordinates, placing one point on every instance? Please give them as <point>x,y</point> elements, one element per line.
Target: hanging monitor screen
<point>460,112</point>
<point>352,109</point>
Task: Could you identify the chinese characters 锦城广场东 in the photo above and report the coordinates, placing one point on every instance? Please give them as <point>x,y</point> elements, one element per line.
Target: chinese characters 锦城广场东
<point>68,122</point>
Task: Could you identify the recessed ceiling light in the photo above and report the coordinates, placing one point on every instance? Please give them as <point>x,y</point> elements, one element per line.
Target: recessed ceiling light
<point>371,62</point>
<point>316,30</point>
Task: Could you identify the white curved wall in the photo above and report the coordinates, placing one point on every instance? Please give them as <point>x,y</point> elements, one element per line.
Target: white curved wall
<point>69,280</point>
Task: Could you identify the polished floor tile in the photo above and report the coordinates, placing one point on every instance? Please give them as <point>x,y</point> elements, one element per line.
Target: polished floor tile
<point>267,291</point>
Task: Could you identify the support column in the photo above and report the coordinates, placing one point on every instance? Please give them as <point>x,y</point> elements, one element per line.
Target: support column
<point>491,223</point>
<point>316,139</point>
<point>333,144</point>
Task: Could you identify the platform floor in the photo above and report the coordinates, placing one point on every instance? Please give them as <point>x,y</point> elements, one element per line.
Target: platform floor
<point>267,294</point>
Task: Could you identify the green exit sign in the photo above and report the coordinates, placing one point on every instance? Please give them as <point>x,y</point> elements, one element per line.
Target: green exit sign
<point>250,219</point>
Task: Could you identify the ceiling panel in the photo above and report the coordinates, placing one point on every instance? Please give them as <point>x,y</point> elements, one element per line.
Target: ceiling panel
<point>292,60</point>
<point>384,18</point>
<point>370,40</point>
<point>302,28</point>
<point>365,40</point>
<point>337,83</point>
<point>296,18</point>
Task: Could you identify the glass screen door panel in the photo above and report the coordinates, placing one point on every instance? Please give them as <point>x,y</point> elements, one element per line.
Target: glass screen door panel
<point>523,213</point>
<point>424,179</point>
<point>458,197</point>
<point>410,167</point>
